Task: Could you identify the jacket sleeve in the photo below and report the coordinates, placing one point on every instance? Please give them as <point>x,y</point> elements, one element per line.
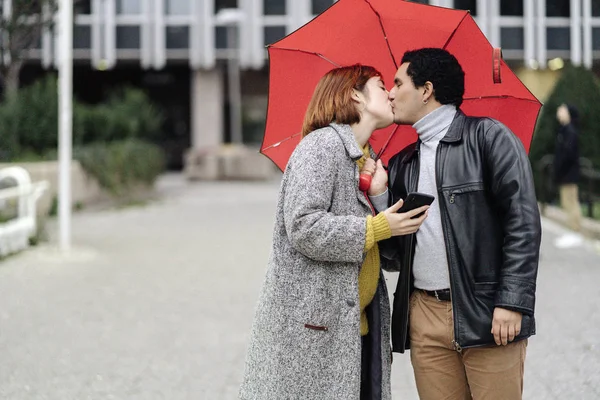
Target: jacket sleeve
<point>311,228</point>
<point>511,184</point>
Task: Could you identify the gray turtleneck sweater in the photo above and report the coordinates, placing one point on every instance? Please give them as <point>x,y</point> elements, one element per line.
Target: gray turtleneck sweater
<point>430,267</point>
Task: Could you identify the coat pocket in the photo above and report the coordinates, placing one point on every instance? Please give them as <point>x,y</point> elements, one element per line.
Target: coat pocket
<point>460,190</point>
<point>486,286</point>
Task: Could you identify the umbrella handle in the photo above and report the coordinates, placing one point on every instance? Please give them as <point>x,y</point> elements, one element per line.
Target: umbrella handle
<point>364,182</point>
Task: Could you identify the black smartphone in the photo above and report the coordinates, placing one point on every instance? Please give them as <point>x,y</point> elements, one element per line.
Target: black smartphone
<point>415,200</point>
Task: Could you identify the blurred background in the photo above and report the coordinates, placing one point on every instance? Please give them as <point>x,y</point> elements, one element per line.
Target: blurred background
<point>191,76</point>
<point>175,204</point>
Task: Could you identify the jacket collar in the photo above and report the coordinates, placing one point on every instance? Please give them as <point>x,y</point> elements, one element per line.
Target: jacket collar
<point>455,131</point>
<point>454,134</point>
<point>345,133</point>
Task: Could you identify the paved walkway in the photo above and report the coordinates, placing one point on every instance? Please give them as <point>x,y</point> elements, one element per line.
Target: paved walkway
<point>156,302</point>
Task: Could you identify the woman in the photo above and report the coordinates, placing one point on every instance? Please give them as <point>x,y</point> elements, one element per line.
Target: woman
<point>321,329</point>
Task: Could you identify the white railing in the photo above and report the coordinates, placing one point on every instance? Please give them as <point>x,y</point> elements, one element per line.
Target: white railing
<point>16,232</point>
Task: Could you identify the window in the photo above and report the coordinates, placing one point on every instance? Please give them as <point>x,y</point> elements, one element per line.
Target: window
<point>83,7</point>
<point>596,8</point>
<point>177,7</point>
<point>511,7</point>
<point>128,37</point>
<point>274,7</point>
<point>273,34</point>
<point>419,1</point>
<point>177,37</point>
<point>596,38</point>
<point>221,36</point>
<point>470,5</point>
<point>558,8</point>
<point>512,38</point>
<point>125,7</point>
<point>318,6</point>
<point>82,37</point>
<point>558,38</point>
<point>220,4</point>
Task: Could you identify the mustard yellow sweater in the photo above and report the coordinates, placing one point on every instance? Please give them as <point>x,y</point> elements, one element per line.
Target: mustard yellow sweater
<point>368,277</point>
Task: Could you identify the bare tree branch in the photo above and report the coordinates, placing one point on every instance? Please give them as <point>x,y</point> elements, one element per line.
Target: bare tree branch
<point>19,32</point>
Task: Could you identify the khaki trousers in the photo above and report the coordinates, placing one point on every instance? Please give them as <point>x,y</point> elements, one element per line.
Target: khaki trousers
<point>569,201</point>
<point>442,373</point>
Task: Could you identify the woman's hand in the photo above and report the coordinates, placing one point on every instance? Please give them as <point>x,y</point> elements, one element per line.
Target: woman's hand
<point>379,180</point>
<point>379,176</point>
<point>404,223</point>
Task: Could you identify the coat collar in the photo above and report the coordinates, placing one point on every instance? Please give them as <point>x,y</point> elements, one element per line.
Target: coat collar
<point>345,133</point>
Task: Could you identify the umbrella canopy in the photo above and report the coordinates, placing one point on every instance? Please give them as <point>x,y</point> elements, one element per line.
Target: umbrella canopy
<point>377,33</point>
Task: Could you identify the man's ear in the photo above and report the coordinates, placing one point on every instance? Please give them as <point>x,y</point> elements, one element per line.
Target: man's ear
<point>428,91</point>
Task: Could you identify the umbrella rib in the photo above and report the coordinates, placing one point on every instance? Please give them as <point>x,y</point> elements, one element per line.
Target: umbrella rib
<point>503,96</point>
<point>278,143</point>
<point>454,31</point>
<point>384,33</point>
<point>309,52</point>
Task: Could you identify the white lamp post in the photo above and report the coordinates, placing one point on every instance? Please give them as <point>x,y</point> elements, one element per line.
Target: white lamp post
<point>65,122</point>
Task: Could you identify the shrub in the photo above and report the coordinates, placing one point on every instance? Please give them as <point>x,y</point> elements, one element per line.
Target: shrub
<point>29,120</point>
<point>122,165</point>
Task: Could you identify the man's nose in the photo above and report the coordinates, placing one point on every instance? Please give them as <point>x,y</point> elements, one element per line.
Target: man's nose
<point>392,93</point>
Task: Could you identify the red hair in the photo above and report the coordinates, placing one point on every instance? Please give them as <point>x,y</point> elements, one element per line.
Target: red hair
<point>332,100</point>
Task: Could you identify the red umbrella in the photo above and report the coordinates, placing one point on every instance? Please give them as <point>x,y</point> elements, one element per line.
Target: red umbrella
<point>377,33</point>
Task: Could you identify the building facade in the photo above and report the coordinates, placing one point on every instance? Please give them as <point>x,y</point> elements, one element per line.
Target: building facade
<point>188,53</point>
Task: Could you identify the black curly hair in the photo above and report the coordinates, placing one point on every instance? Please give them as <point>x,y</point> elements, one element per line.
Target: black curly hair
<point>441,69</point>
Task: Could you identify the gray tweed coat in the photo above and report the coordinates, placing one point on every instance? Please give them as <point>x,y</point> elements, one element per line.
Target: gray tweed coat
<point>312,279</point>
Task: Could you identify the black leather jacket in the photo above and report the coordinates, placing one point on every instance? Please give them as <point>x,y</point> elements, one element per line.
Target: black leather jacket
<point>491,226</point>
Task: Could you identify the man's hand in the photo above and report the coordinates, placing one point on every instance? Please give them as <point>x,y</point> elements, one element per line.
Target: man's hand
<point>506,324</point>
<point>379,181</point>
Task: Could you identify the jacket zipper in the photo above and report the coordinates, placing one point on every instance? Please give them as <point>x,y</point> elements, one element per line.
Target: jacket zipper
<point>455,344</point>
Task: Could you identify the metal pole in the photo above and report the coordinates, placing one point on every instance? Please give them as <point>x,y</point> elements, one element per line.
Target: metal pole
<point>576,32</point>
<point>235,91</point>
<point>65,122</point>
<point>587,34</point>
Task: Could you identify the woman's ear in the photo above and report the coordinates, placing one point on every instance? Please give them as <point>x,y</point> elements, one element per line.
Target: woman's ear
<point>359,98</point>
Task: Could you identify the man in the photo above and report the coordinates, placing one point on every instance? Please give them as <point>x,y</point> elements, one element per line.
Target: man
<point>465,297</point>
<point>566,173</point>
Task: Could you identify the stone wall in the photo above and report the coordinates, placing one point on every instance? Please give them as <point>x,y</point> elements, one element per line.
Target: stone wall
<point>84,188</point>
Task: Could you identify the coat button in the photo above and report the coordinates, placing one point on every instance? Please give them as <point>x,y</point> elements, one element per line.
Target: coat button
<point>351,303</point>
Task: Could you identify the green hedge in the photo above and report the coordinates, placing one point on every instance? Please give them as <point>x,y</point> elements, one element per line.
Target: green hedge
<point>29,120</point>
<point>121,166</point>
<point>113,140</point>
<point>577,86</point>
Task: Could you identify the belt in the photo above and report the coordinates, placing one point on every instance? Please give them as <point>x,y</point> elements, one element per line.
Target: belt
<point>440,295</point>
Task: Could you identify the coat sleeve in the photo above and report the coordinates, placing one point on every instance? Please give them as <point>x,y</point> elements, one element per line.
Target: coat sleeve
<point>311,228</point>
<point>511,184</point>
<point>390,250</point>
